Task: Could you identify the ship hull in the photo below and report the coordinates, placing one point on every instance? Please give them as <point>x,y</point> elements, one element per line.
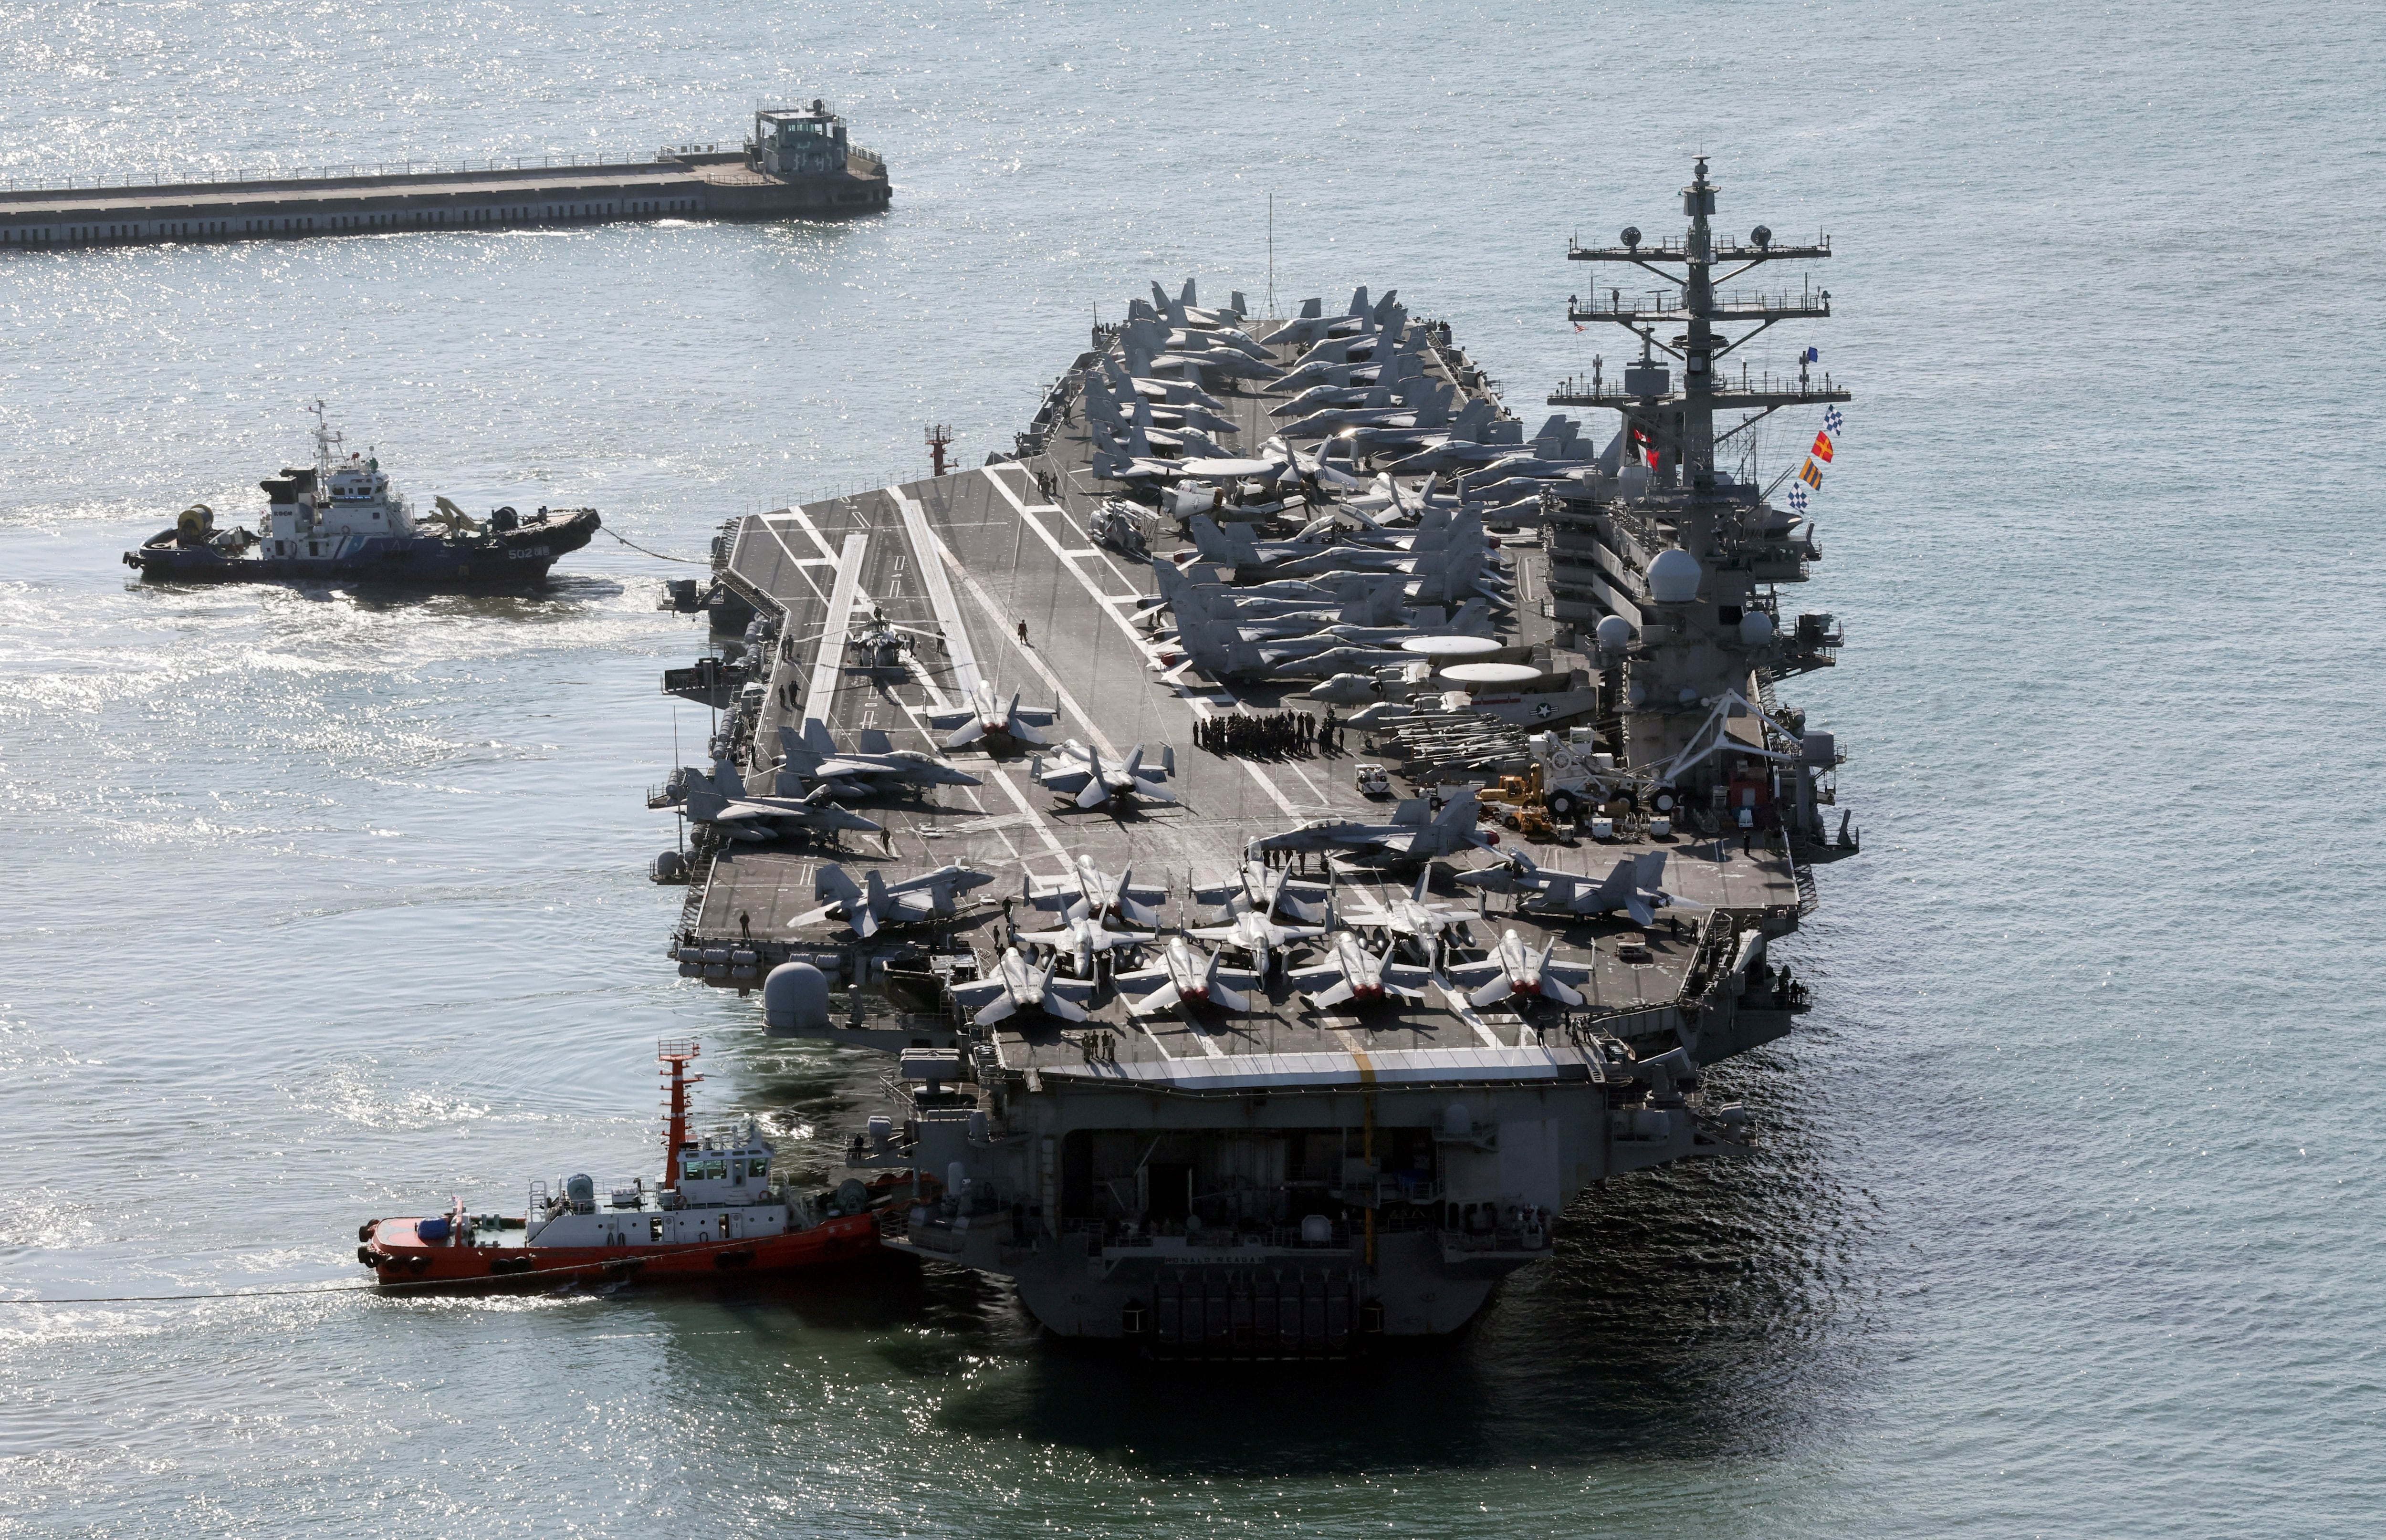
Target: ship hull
<point>398,1255</point>
<point>511,559</point>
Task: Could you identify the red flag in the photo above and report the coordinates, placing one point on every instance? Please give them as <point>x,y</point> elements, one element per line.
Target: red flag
<point>1822,450</point>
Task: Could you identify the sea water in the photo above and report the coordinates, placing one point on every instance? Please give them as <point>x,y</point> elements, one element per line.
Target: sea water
<point>2066,1214</point>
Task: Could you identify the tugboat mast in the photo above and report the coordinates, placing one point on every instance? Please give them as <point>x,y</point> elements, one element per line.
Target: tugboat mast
<point>675,1053</point>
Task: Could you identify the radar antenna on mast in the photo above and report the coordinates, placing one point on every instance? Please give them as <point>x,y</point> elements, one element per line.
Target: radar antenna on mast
<point>940,438</point>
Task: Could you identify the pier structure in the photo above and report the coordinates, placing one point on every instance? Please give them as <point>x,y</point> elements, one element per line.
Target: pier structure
<point>799,163</point>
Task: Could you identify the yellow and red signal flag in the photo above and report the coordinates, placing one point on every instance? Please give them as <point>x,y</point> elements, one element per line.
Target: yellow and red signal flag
<point>1822,449</point>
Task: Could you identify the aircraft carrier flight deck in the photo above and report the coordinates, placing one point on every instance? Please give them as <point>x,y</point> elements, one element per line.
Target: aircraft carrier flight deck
<point>1014,554</point>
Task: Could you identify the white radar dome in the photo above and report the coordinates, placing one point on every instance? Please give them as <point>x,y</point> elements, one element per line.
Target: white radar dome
<point>1615,634</point>
<point>1755,628</point>
<point>1673,577</point>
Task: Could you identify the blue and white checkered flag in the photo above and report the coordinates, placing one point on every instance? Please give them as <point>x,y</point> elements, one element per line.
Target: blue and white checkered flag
<point>1797,499</point>
<point>1832,421</point>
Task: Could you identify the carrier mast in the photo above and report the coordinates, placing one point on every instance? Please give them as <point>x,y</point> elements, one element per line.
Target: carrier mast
<point>1679,425</point>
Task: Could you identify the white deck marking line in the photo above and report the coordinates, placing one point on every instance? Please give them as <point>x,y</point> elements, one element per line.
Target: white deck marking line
<point>1042,828</point>
<point>1060,692</point>
<point>799,563</point>
<point>829,662</point>
<point>1348,1043</point>
<point>1201,1035</point>
<point>1124,623</point>
<point>1464,1010</point>
<point>931,554</point>
<point>1156,1043</point>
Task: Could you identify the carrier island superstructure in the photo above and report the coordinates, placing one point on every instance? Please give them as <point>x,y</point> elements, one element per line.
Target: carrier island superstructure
<point>1212,1051</point>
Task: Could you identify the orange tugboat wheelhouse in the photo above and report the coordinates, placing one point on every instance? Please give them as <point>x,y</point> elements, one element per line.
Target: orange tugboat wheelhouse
<point>723,1207</point>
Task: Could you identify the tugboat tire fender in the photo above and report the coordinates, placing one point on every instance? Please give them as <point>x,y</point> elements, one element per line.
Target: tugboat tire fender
<point>365,1254</point>
<point>364,1231</point>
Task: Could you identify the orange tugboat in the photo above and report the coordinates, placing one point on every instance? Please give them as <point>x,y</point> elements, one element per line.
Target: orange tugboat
<point>721,1207</point>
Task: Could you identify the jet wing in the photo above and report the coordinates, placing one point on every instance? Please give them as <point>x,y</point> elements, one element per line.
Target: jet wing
<point>1477,972</point>
<point>1139,980</point>
<point>1334,996</point>
<point>1160,999</point>
<point>1066,998</point>
<point>972,996</point>
<point>1405,979</point>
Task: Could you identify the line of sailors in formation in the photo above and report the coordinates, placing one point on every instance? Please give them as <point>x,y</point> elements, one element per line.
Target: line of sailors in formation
<point>1275,734</point>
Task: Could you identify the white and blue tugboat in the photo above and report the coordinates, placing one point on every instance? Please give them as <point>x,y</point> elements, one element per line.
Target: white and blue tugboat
<point>340,521</point>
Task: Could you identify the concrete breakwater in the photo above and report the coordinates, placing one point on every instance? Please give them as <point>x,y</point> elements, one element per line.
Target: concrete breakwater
<point>798,164</point>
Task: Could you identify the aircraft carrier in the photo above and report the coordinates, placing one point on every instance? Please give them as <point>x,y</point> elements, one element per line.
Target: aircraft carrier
<point>1357,1134</point>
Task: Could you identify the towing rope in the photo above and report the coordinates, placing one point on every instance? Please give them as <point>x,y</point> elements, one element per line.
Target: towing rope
<point>657,555</point>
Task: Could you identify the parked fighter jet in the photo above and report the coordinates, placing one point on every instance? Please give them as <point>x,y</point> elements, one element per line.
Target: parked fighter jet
<point>1312,324</point>
<point>1082,939</point>
<point>988,716</point>
<point>1512,969</point>
<point>1103,405</point>
<point>1187,977</point>
<point>1413,835</point>
<point>1412,916</point>
<point>1184,311</point>
<point>875,768</point>
<point>1355,974</point>
<point>1078,771</point>
<point>1631,886</point>
<point>931,895</point>
<point>1019,986</point>
<point>1347,690</point>
<point>1103,894</point>
<point>1254,929</point>
<point>723,802</point>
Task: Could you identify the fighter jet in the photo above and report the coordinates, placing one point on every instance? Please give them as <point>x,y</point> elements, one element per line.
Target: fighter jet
<point>875,768</point>
<point>1103,894</point>
<point>1631,886</point>
<point>1268,889</point>
<point>1254,929</point>
<point>1348,690</point>
<point>1381,712</point>
<point>1512,969</point>
<point>1355,974</point>
<point>1184,311</point>
<point>1018,986</point>
<point>1412,916</point>
<point>989,718</point>
<point>1187,977</point>
<point>931,895</point>
<point>1413,835</point>
<point>1078,772</point>
<point>1082,940</point>
<point>723,802</point>
<point>1103,405</point>
<point>1313,323</point>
